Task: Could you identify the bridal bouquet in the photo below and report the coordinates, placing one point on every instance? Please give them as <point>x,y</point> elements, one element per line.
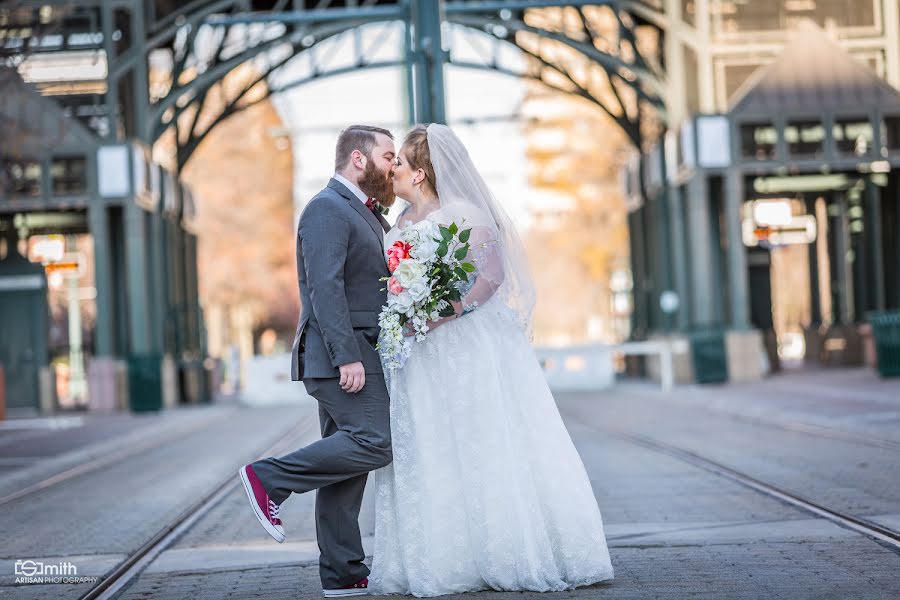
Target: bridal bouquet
<point>428,267</point>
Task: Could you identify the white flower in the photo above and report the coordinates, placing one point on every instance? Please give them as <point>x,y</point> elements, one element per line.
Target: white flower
<point>427,228</point>
<point>402,303</point>
<point>425,248</point>
<point>419,290</point>
<point>409,272</point>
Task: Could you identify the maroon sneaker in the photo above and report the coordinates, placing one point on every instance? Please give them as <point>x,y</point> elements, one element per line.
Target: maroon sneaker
<point>264,507</point>
<point>360,588</point>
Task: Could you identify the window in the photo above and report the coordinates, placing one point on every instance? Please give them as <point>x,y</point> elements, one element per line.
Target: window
<point>737,16</point>
<point>758,141</point>
<point>689,12</point>
<point>852,136</point>
<point>805,139</point>
<point>20,178</point>
<point>68,176</point>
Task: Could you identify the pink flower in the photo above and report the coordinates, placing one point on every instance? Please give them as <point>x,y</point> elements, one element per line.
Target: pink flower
<point>394,286</point>
<point>400,250</point>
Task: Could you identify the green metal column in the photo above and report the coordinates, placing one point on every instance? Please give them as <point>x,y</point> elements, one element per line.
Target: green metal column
<point>136,242</point>
<point>838,246</point>
<point>428,58</point>
<point>111,97</point>
<point>139,75</point>
<point>176,278</point>
<point>410,109</point>
<point>738,287</point>
<point>98,223</point>
<point>679,255</point>
<point>716,208</point>
<point>874,246</point>
<point>665,279</point>
<point>157,281</point>
<point>702,306</point>
<point>813,258</point>
<point>652,259</point>
<point>637,242</point>
<point>170,290</point>
<point>192,294</point>
<point>891,215</point>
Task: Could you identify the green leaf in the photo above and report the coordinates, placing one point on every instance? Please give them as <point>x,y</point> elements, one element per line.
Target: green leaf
<point>446,234</point>
<point>464,235</point>
<point>453,228</point>
<point>442,249</point>
<point>468,267</point>
<point>461,273</point>
<point>461,252</point>
<point>447,311</point>
<point>455,295</point>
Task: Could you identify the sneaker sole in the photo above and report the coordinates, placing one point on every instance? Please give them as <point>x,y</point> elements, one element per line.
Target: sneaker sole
<point>270,529</point>
<point>344,593</point>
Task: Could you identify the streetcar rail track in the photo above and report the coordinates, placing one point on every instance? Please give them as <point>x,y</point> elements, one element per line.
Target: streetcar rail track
<point>108,459</point>
<point>873,530</point>
<point>814,430</point>
<point>127,570</point>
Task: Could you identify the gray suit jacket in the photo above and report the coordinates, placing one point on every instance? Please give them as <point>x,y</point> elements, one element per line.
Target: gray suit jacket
<point>340,263</point>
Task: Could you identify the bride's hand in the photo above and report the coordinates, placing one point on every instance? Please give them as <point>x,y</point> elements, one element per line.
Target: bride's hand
<point>457,309</point>
<point>408,330</point>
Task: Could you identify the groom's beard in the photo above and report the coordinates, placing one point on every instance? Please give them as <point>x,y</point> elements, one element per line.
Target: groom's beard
<point>377,184</point>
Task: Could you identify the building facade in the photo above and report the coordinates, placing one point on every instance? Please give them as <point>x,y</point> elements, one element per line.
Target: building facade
<point>782,140</point>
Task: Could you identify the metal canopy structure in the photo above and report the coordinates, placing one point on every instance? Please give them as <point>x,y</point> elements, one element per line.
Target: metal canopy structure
<point>167,61</point>
<point>126,74</point>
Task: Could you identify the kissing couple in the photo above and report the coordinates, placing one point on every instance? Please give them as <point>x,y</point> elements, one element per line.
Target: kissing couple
<point>477,483</point>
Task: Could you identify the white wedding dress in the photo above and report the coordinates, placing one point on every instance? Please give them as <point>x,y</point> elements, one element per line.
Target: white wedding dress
<point>486,489</point>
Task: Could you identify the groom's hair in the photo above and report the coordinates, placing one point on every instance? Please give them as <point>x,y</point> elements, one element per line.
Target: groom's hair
<point>356,137</point>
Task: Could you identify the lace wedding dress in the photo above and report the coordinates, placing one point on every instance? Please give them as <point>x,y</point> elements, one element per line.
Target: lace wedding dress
<point>486,490</point>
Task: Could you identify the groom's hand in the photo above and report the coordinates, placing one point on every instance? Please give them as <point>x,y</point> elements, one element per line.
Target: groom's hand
<point>353,377</point>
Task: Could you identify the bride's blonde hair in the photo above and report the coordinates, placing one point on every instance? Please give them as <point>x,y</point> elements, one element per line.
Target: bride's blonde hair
<point>418,156</point>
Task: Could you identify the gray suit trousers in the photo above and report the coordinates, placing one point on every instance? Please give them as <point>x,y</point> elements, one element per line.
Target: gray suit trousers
<point>356,439</point>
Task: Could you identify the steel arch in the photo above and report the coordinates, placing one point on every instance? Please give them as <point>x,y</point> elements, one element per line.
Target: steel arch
<point>327,23</point>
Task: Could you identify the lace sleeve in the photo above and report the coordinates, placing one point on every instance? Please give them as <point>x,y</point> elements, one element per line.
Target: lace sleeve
<point>485,255</point>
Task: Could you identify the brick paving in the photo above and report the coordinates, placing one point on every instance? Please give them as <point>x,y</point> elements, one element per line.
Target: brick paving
<point>674,530</point>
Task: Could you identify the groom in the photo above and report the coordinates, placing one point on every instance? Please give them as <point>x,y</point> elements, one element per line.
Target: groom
<point>340,263</point>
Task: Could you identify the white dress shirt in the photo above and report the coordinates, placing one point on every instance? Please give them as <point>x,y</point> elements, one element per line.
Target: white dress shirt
<point>352,187</point>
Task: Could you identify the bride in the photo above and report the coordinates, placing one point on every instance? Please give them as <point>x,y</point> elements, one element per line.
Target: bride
<point>486,490</point>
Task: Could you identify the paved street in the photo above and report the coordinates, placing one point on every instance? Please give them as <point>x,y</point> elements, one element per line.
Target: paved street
<point>674,529</point>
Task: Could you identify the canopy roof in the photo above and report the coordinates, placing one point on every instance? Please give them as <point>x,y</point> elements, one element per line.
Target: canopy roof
<point>34,126</point>
<point>813,73</point>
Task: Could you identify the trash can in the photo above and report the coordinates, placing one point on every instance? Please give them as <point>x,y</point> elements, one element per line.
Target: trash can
<point>708,355</point>
<point>886,333</point>
<point>145,382</point>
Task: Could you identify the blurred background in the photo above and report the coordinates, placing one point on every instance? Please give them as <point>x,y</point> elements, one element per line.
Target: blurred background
<point>707,189</point>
